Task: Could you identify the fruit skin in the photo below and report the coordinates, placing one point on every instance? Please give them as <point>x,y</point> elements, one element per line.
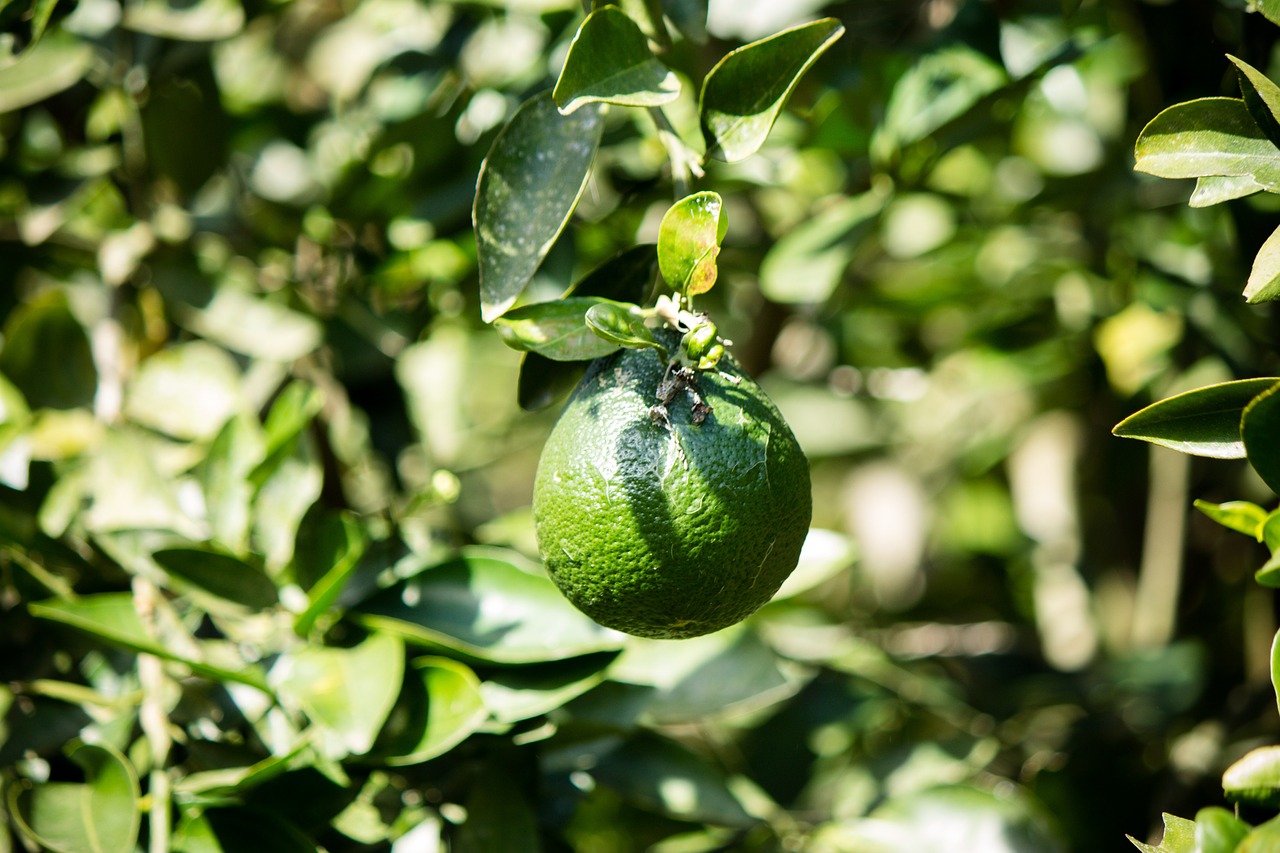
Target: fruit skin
<point>660,527</point>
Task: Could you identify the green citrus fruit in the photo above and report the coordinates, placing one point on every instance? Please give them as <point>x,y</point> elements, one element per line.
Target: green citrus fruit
<point>657,525</point>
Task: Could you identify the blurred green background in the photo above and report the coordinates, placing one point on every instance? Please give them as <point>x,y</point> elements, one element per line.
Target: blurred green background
<point>264,482</point>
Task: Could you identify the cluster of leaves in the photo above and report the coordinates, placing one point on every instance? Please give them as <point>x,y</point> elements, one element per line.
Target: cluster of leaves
<point>1230,146</point>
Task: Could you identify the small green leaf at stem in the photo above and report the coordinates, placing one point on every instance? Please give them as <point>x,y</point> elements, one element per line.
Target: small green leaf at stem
<point>1259,426</point>
<point>1255,778</point>
<point>622,326</point>
<point>1218,830</point>
<point>1203,422</point>
<point>1215,189</point>
<point>746,90</point>
<point>610,62</point>
<point>1240,516</point>
<point>1264,277</point>
<point>689,242</point>
<point>557,329</point>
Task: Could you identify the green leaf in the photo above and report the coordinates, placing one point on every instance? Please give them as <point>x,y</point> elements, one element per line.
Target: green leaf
<point>610,62</point>
<point>622,327</point>
<point>223,475</point>
<point>56,63</point>
<point>1264,277</point>
<point>746,90</point>
<point>1218,830</point>
<point>1263,839</point>
<point>222,574</point>
<point>187,391</point>
<point>100,815</point>
<point>294,408</point>
<point>1203,422</point>
<point>128,492</point>
<point>42,325</point>
<point>1255,778</point>
<point>557,330</point>
<point>332,552</point>
<point>528,187</point>
<point>1270,9</point>
<point>111,616</point>
<point>347,691</point>
<point>519,693</point>
<point>1259,427</point>
<point>482,606</point>
<point>807,263</point>
<point>1275,667</point>
<point>689,17</point>
<point>1179,837</point>
<point>1215,189</point>
<point>1241,516</point>
<point>204,20</point>
<point>439,707</point>
<point>1209,136</point>
<point>689,240</point>
<point>625,277</point>
<point>1261,96</point>
<point>252,325</point>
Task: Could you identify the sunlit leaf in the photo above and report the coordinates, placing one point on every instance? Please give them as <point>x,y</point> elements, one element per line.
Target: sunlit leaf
<point>1179,837</point>
<point>100,815</point>
<point>689,240</point>
<point>1218,830</point>
<point>825,555</point>
<point>127,492</point>
<point>620,326</point>
<point>1262,839</point>
<point>1241,516</point>
<point>557,330</point>
<point>1209,136</point>
<point>205,20</point>
<point>252,325</point>
<point>295,407</point>
<point>112,616</point>
<point>528,187</point>
<point>518,693</point>
<point>1275,667</point>
<point>1215,189</point>
<point>56,63</point>
<point>1203,422</point>
<point>187,391</point>
<point>1264,277</point>
<point>807,263</point>
<point>747,89</point>
<point>1259,426</point>
<point>439,707</point>
<point>484,607</point>
<point>224,478</point>
<point>609,61</point>
<point>347,691</point>
<point>1255,778</point>
<point>1261,96</point>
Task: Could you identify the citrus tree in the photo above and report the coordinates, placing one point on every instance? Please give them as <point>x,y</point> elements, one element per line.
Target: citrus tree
<point>293,296</point>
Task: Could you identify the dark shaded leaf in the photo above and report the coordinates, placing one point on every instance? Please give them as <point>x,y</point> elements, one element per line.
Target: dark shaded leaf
<point>222,574</point>
<point>1261,96</point>
<point>1259,428</point>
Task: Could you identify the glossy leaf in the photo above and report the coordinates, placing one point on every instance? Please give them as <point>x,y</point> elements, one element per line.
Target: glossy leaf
<point>1255,778</point>
<point>100,815</point>
<point>557,330</point>
<point>439,707</point>
<point>528,187</point>
<point>519,693</point>
<point>1264,277</point>
<point>1218,830</point>
<point>347,691</point>
<point>222,574</point>
<point>1179,837</point>
<point>1215,189</point>
<point>1203,422</point>
<point>609,61</point>
<point>111,616</point>
<point>622,327</point>
<point>746,90</point>
<point>58,62</point>
<point>689,240</point>
<point>1241,516</point>
<point>1259,427</point>
<point>1209,136</point>
<point>482,606</point>
<point>1261,96</point>
<point>625,277</point>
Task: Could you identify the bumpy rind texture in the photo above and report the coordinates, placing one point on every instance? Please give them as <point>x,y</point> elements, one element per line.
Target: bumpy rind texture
<point>669,529</point>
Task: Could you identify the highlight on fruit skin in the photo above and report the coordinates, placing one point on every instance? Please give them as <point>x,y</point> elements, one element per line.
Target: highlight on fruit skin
<point>674,526</point>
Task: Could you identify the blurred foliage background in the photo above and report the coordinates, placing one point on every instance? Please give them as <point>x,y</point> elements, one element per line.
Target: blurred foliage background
<point>267,577</point>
